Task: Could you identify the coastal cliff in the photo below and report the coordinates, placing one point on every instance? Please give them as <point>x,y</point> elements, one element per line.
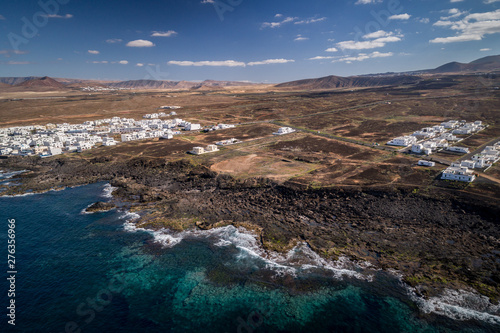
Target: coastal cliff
<point>437,240</point>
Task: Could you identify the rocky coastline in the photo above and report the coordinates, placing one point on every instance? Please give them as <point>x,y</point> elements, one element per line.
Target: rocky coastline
<point>440,240</point>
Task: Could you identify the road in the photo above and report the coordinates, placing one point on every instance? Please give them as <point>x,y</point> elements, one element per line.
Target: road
<point>479,149</point>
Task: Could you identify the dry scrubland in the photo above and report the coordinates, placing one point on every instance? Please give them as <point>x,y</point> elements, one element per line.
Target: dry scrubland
<point>316,156</point>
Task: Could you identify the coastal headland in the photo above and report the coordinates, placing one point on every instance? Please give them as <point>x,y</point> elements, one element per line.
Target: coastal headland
<point>332,183</point>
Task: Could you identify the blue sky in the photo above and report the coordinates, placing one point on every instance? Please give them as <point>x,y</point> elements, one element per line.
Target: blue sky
<point>254,40</point>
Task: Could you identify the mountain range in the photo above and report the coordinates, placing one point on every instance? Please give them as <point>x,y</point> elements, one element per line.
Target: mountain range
<point>486,64</point>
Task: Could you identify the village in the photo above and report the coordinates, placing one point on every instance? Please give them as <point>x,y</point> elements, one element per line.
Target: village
<point>54,139</point>
<point>442,137</point>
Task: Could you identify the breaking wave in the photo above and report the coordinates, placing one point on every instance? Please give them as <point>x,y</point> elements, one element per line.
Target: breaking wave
<point>108,191</point>
<point>459,305</point>
<point>299,260</point>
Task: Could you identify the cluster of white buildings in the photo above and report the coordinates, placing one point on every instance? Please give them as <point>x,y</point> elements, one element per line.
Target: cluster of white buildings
<point>284,130</point>
<point>50,139</point>
<point>96,89</point>
<point>485,159</point>
<point>462,127</point>
<point>159,115</point>
<point>430,139</point>
<point>218,127</point>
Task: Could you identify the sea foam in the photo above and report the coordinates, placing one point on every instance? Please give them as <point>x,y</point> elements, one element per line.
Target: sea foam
<point>299,260</point>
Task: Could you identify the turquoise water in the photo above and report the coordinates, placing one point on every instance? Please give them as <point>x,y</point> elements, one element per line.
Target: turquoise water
<point>88,273</point>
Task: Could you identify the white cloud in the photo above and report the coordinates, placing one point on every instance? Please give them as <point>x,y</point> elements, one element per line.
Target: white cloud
<point>270,61</point>
<point>123,62</point>
<point>310,20</point>
<point>353,45</point>
<point>453,12</point>
<point>424,20</point>
<point>208,1</point>
<point>139,64</point>
<point>229,63</point>
<point>2,17</point>
<point>472,27</point>
<point>453,1</point>
<point>404,16</point>
<point>322,57</point>
<point>100,62</point>
<point>140,43</point>
<point>331,49</point>
<point>19,62</point>
<point>278,24</point>
<point>484,50</point>
<point>114,40</point>
<point>300,38</point>
<point>9,53</point>
<point>67,16</point>
<point>366,2</point>
<point>363,56</point>
<point>278,15</point>
<point>225,63</point>
<point>93,51</point>
<point>163,33</point>
<point>378,39</point>
<point>490,1</point>
<point>377,34</point>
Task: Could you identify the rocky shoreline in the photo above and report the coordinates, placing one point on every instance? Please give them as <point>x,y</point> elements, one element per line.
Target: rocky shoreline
<point>445,239</point>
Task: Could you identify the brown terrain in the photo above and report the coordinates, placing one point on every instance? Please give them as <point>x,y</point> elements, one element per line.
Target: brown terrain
<point>327,184</point>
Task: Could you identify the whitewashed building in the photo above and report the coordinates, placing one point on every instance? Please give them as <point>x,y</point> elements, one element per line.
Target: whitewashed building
<point>426,163</point>
<point>461,174</point>
<point>284,130</point>
<point>461,150</point>
<point>403,141</point>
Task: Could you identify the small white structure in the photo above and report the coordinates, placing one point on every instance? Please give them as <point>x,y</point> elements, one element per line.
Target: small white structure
<point>55,151</point>
<point>461,174</point>
<point>201,150</point>
<point>193,127</point>
<point>426,163</point>
<point>167,135</point>
<point>284,130</point>
<point>211,148</point>
<point>468,164</point>
<point>197,151</point>
<point>231,141</point>
<point>403,141</point>
<point>82,146</point>
<point>461,150</point>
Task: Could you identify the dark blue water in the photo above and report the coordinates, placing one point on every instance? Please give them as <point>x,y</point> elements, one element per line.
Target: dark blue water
<point>84,273</point>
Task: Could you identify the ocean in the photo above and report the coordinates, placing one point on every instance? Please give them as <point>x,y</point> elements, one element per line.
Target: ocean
<point>78,272</point>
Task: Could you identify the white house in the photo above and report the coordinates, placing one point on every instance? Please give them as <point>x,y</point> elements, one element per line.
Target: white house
<point>450,124</point>
<point>193,127</point>
<point>55,151</point>
<point>468,164</point>
<point>284,130</point>
<point>211,148</point>
<point>404,141</point>
<point>462,174</point>
<point>197,151</point>
<point>82,146</point>
<point>461,150</point>
<point>426,163</point>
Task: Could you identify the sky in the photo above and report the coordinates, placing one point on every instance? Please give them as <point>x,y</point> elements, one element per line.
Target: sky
<point>241,40</point>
